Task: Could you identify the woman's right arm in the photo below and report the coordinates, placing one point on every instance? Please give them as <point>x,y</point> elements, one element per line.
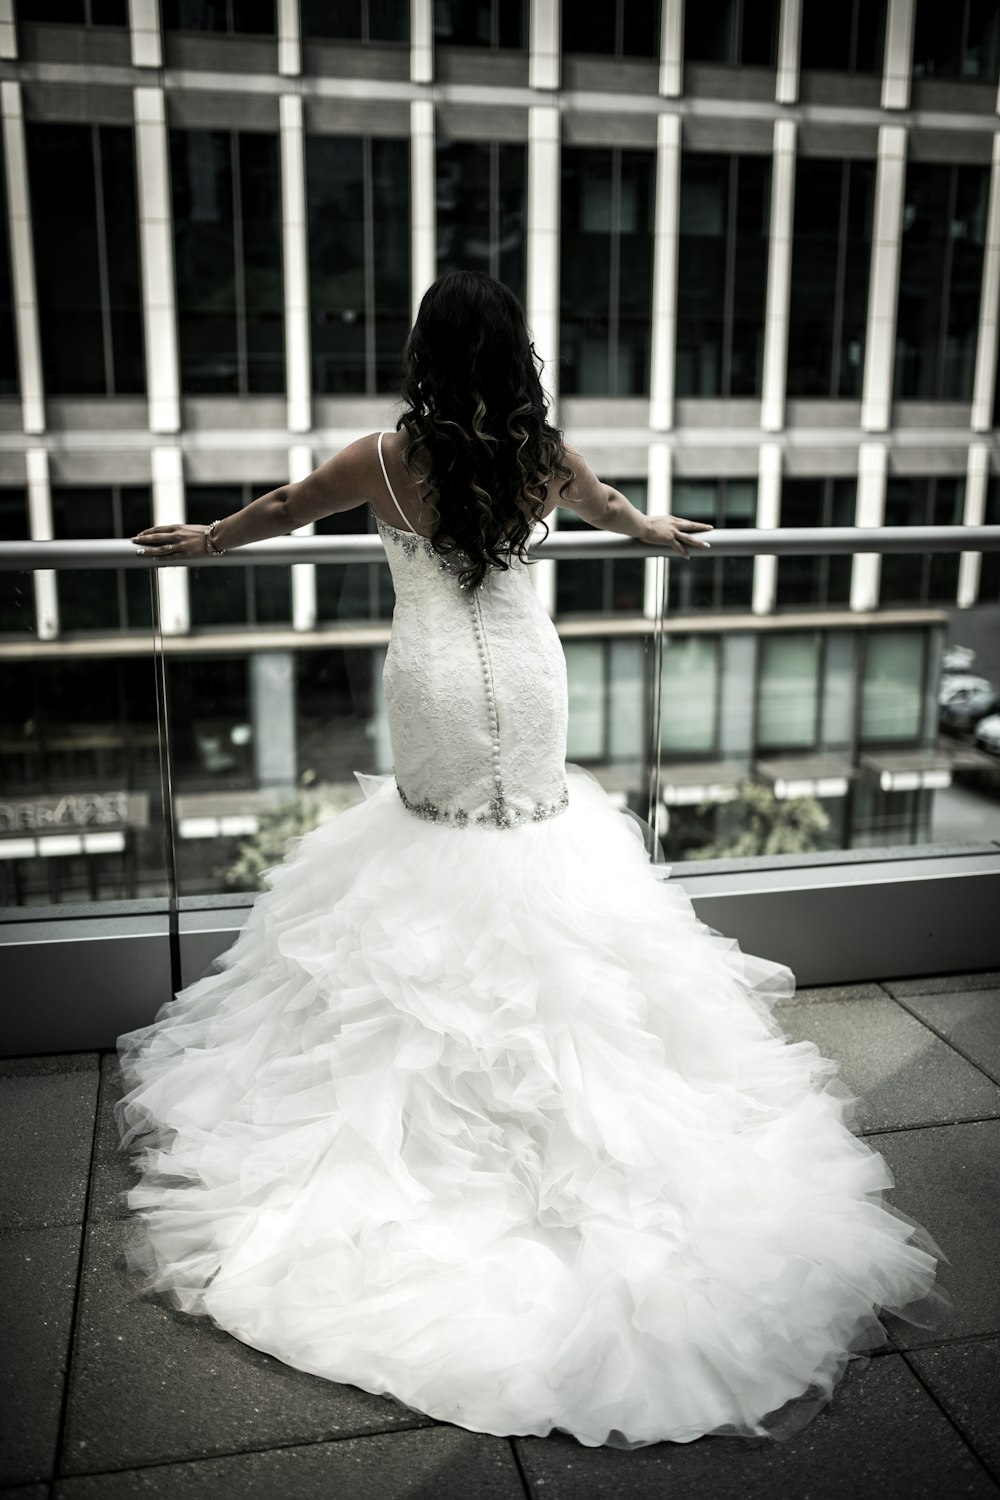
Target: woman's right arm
<point>603,506</point>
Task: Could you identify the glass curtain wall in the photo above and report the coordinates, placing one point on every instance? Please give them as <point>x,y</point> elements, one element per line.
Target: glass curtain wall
<point>234,596</point>
<point>721,583</point>
<point>482,209</point>
<point>618,28</point>
<point>815,582</point>
<point>235,17</point>
<point>356,20</point>
<point>848,37</point>
<point>481,23</point>
<point>606,257</point>
<point>960,40</point>
<point>84,229</point>
<point>913,577</point>
<point>106,601</point>
<point>606,585</point>
<point>742,33</point>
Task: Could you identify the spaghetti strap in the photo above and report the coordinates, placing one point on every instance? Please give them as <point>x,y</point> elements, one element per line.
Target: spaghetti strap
<point>389,487</point>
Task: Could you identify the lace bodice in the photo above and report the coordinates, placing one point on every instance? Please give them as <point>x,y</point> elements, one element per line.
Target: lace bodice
<point>475,687</point>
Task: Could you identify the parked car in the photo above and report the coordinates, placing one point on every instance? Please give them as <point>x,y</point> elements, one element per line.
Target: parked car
<point>961,684</point>
<point>987,734</point>
<point>964,711</point>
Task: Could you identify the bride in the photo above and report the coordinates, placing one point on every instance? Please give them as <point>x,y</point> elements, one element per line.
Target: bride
<point>476,1113</point>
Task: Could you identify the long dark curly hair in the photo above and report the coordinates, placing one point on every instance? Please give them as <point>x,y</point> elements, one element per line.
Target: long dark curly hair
<point>476,413</point>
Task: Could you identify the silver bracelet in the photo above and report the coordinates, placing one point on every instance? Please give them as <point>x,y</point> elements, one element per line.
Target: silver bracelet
<point>209,544</point>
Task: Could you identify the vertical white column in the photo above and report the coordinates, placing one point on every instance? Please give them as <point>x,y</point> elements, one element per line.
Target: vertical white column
<point>36,464</point>
<point>658,487</point>
<point>977,478</point>
<point>883,284</point>
<point>144,33</point>
<point>765,567</point>
<point>866,570</point>
<point>8,31</point>
<point>672,48</point>
<point>663,331</point>
<point>421,41</point>
<point>423,216</point>
<point>789,37</point>
<point>779,278</point>
<point>544,44</point>
<point>898,63</point>
<point>300,464</point>
<point>157,256</point>
<point>543,281</point>
<point>989,308</point>
<point>22,269</point>
<point>289,39</point>
<point>298,381</point>
<point>168,505</point>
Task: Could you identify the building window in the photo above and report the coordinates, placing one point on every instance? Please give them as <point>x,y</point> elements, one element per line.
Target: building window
<point>102,601</point>
<point>358,194</point>
<point>916,577</point>
<point>211,733</point>
<point>8,339</point>
<point>357,20</point>
<point>722,274</point>
<point>788,691</point>
<point>482,209</point>
<point>606,585</point>
<point>235,17</point>
<point>845,38</point>
<point>960,40</point>
<point>940,276</point>
<point>689,695</point>
<point>703,583</point>
<point>606,252</point>
<point>17,592</point>
<point>481,23</point>
<point>616,28</point>
<point>815,582</point>
<point>352,591</point>
<point>989,566</point>
<point>227,261</point>
<point>608,716</point>
<point>234,596</point>
<point>831,254</point>
<point>740,32</point>
<point>892,686</point>
<point>83,206</point>
<point>75,12</point>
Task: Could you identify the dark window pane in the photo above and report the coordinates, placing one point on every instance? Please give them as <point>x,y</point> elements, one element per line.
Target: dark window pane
<point>17,594</point>
<point>589,28</point>
<point>481,23</point>
<point>8,341</point>
<point>75,12</point>
<point>389,237</point>
<point>702,273</point>
<point>481,189</point>
<point>101,600</point>
<point>336,213</point>
<point>253,17</point>
<point>731,31</point>
<point>218,596</point>
<point>960,41</point>
<point>357,20</point>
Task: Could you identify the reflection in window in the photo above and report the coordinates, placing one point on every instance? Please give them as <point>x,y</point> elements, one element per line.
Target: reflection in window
<point>587,699</point>
<point>940,276</point>
<point>83,206</point>
<point>234,596</point>
<point>702,582</point>
<point>915,577</point>
<point>8,341</point>
<point>17,593</point>
<point>481,23</point>
<point>831,252</point>
<point>848,37</point>
<point>892,685</point>
<point>481,209</point>
<point>211,734</point>
<point>352,591</point>
<point>722,274</point>
<point>357,20</point>
<point>606,585</point>
<point>989,566</point>
<point>75,12</point>
<point>689,695</point>
<point>958,40</point>
<point>253,17</point>
<point>358,198</point>
<point>616,28</point>
<point>227,261</point>
<point>335,714</point>
<point>606,250</point>
<point>102,601</point>
<point>743,32</point>
<point>788,691</point>
<point>815,582</point>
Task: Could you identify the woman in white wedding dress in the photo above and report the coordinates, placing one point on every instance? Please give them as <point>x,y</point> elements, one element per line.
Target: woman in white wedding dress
<point>476,1113</point>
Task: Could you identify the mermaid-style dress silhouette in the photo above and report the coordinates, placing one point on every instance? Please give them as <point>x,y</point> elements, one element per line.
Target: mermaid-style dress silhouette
<point>476,1112</point>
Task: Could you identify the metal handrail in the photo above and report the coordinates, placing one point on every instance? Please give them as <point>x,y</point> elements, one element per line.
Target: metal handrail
<point>785,541</point>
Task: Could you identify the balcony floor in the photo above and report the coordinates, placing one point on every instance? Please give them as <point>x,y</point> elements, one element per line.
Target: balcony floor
<point>114,1397</point>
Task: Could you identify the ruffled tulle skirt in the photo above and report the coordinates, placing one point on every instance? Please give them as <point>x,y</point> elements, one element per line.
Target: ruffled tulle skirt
<point>488,1121</point>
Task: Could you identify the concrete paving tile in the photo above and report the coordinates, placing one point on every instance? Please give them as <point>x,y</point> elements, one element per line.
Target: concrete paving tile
<point>883,1435</point>
<point>939,984</point>
<point>38,1274</point>
<point>818,993</point>
<point>946,1179</point>
<point>903,1073</point>
<point>46,1134</point>
<point>969,1018</point>
<point>111,1176</point>
<point>436,1463</point>
<point>49,1062</point>
<point>965,1378</point>
<point>150,1383</point>
<point>26,1492</point>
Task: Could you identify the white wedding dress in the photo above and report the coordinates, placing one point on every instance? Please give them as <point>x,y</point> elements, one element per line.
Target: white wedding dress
<point>476,1113</point>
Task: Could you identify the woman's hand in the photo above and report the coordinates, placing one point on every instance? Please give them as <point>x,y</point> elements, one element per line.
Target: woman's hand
<point>676,533</point>
<point>176,543</point>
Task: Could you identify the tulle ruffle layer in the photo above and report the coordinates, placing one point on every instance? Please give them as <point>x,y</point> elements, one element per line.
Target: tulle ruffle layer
<point>489,1122</point>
